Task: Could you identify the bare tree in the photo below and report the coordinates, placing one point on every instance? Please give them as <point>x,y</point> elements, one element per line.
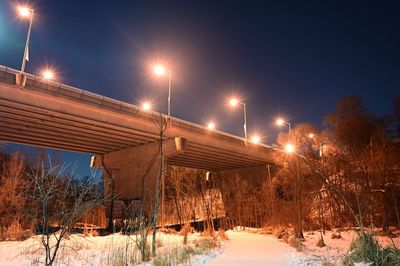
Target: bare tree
<point>13,201</point>
<point>63,201</point>
<point>162,125</point>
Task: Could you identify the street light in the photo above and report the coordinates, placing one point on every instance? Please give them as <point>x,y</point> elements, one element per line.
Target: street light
<point>311,135</point>
<point>146,106</point>
<point>160,70</point>
<point>255,139</point>
<point>289,148</point>
<point>48,74</point>
<point>280,122</point>
<point>211,126</point>
<point>234,102</point>
<point>26,12</point>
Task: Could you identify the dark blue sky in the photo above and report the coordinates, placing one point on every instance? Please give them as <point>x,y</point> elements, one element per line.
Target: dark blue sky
<point>294,58</point>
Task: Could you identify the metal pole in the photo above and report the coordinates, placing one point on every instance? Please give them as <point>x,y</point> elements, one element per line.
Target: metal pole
<point>27,43</point>
<point>169,93</point>
<point>245,121</point>
<point>290,127</point>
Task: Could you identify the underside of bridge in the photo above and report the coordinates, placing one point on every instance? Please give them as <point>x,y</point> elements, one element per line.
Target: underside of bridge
<point>124,139</point>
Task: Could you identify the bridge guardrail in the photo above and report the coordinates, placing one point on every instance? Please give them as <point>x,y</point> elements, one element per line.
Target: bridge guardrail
<point>112,103</point>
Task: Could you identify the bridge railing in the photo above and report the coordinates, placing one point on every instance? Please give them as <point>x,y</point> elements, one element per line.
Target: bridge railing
<point>69,91</point>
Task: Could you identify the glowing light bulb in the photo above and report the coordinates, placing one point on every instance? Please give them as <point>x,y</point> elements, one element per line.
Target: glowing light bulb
<point>48,74</point>
<point>146,106</point>
<point>159,70</point>
<point>233,102</point>
<point>24,11</point>
<point>255,139</point>
<point>289,148</point>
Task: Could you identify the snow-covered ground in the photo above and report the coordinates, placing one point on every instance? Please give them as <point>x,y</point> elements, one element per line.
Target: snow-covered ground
<point>251,249</point>
<point>99,250</point>
<point>245,247</point>
<point>335,249</point>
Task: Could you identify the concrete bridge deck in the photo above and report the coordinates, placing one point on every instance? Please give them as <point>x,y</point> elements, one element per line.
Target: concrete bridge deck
<point>53,115</point>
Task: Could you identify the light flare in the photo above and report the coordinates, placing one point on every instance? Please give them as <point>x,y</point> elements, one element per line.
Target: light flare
<point>289,148</point>
<point>24,11</point>
<point>146,106</point>
<point>48,74</point>
<point>159,70</point>
<point>280,122</point>
<point>233,102</point>
<point>211,126</point>
<point>255,139</point>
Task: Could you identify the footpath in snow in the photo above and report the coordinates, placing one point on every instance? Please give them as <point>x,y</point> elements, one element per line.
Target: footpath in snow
<point>256,250</point>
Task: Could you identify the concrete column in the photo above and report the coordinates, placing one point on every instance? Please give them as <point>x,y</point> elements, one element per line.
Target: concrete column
<point>136,168</point>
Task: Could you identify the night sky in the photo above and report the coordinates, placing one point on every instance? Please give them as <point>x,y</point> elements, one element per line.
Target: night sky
<point>290,58</point>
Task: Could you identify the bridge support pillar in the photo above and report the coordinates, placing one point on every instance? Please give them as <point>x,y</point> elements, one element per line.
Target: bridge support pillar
<point>132,172</point>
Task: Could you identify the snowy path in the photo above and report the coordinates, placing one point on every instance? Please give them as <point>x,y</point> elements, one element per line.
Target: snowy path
<point>255,250</point>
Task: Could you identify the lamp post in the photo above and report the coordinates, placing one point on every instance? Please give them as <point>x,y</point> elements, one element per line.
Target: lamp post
<point>234,102</point>
<point>160,70</point>
<point>26,12</point>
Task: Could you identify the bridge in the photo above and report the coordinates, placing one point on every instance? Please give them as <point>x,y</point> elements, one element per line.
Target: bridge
<point>124,139</point>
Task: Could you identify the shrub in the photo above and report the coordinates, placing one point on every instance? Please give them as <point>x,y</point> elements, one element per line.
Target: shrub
<point>320,243</point>
<point>204,245</point>
<point>366,249</point>
<point>14,232</point>
<point>222,234</point>
<point>182,255</point>
<point>296,243</point>
<point>208,232</point>
<point>174,256</point>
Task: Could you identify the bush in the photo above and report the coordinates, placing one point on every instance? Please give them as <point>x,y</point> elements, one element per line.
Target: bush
<point>204,245</point>
<point>296,243</point>
<point>182,255</point>
<point>222,234</point>
<point>174,256</point>
<point>366,249</point>
<point>14,232</point>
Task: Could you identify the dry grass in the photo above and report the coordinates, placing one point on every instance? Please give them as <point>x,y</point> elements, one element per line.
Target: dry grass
<point>296,243</point>
<point>208,232</point>
<point>14,232</point>
<point>222,235</point>
<point>186,229</point>
<point>320,243</point>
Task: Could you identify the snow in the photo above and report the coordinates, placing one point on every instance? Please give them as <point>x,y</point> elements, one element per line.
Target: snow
<point>251,247</point>
<point>81,250</point>
<point>244,247</point>
<point>335,249</point>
